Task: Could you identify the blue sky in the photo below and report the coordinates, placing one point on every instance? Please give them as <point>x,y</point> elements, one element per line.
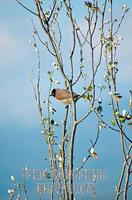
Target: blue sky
<point>21,142</point>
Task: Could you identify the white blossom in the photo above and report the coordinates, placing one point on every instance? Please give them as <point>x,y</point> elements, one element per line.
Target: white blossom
<point>125,7</point>
<point>55,66</point>
<point>13,178</point>
<point>110,93</point>
<point>84,159</point>
<point>10,191</point>
<point>124,112</point>
<point>36,49</point>
<point>26,169</point>
<point>92,150</point>
<point>107,22</point>
<point>109,10</point>
<point>56,81</point>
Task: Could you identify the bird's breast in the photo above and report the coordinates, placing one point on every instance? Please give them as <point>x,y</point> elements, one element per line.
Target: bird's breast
<point>66,101</point>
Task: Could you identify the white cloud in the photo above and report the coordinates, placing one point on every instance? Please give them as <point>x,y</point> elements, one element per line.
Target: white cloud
<point>13,46</point>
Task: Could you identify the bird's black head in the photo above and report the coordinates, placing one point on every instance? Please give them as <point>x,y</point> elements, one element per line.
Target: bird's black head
<point>53,92</point>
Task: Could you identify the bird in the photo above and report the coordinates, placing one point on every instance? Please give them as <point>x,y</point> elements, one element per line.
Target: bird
<point>63,95</point>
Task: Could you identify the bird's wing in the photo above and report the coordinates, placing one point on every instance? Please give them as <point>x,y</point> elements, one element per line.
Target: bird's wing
<point>64,94</point>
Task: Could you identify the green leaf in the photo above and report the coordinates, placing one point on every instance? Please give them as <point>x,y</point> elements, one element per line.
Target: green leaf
<point>113,122</point>
<point>47,141</point>
<point>117,94</point>
<point>107,45</point>
<point>86,97</point>
<point>51,133</point>
<point>49,72</point>
<point>81,66</point>
<point>99,109</point>
<point>116,113</point>
<point>110,63</point>
<point>45,119</point>
<point>115,63</point>
<point>90,88</point>
<point>88,4</point>
<point>121,119</point>
<point>52,122</point>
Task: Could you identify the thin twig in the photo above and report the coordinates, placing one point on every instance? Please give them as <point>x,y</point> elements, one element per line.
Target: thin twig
<point>26,8</point>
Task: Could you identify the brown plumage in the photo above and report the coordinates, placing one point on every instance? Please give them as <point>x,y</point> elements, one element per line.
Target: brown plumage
<point>63,95</point>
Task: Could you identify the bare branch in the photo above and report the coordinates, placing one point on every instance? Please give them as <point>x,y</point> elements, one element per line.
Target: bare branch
<point>26,8</point>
